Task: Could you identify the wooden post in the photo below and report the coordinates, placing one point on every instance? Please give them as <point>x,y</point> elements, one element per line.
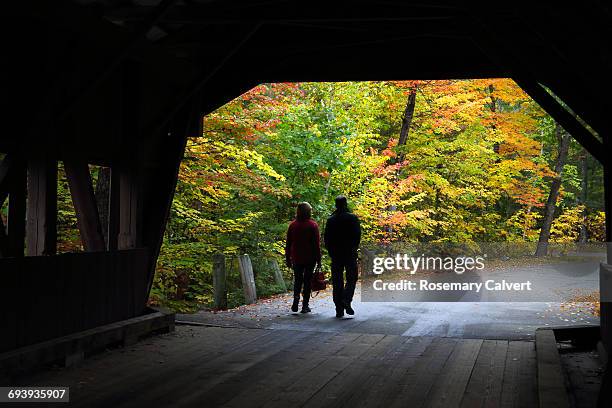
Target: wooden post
<point>84,201</point>
<point>248,279</point>
<point>5,165</point>
<point>219,281</point>
<point>4,251</point>
<point>17,209</point>
<point>367,262</point>
<point>102,196</point>
<point>113,210</point>
<point>4,189</point>
<point>278,275</point>
<point>41,227</point>
<point>605,272</point>
<point>129,207</point>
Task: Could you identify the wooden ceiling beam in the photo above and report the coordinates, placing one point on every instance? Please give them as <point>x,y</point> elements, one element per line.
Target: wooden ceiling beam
<point>571,66</point>
<point>498,50</point>
<point>237,14</point>
<point>139,35</point>
<point>568,121</point>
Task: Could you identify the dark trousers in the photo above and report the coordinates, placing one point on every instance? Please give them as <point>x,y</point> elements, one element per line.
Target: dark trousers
<point>302,276</point>
<point>343,293</point>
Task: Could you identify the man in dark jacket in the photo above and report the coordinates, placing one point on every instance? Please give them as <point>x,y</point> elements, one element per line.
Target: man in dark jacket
<point>342,236</point>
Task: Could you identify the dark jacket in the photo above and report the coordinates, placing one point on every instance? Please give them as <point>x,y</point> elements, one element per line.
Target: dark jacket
<point>342,235</point>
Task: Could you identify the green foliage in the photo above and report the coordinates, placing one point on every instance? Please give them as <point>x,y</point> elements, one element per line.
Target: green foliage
<point>476,167</point>
<point>68,239</point>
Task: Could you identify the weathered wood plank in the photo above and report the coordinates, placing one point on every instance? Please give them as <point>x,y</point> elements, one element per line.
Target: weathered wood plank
<point>528,388</point>
<point>248,279</point>
<point>301,391</point>
<point>8,301</point>
<point>113,210</point>
<point>551,384</point>
<point>129,209</point>
<point>42,207</point>
<point>149,365</point>
<point>519,388</point>
<point>160,185</point>
<point>416,382</point>
<point>17,209</point>
<point>352,378</point>
<point>85,206</point>
<point>4,242</point>
<point>384,380</point>
<point>158,388</point>
<point>219,282</point>
<point>240,368</point>
<point>5,166</point>
<point>485,384</point>
<point>295,364</point>
<point>449,387</point>
<point>85,341</point>
<point>224,390</point>
<point>73,292</point>
<point>278,275</point>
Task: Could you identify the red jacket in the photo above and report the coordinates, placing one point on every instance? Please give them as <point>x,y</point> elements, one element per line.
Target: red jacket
<point>303,243</point>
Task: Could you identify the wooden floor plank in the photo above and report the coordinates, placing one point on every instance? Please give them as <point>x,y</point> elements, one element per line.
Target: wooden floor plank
<point>301,391</point>
<point>145,380</point>
<point>194,381</point>
<point>519,388</point>
<point>385,381</point>
<point>342,387</point>
<point>102,376</point>
<point>551,387</point>
<point>284,361</point>
<point>485,384</point>
<point>226,386</point>
<point>244,368</point>
<point>314,354</point>
<point>528,384</point>
<point>449,387</point>
<point>510,385</point>
<point>415,384</point>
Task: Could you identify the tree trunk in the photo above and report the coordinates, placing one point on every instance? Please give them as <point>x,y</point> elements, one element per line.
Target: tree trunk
<point>102,199</point>
<point>584,167</point>
<point>551,203</point>
<point>407,120</point>
<point>494,110</point>
<point>526,225</point>
<point>436,216</point>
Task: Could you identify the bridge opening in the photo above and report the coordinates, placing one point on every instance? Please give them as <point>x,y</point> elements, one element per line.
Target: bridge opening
<point>470,163</point>
<point>121,85</point>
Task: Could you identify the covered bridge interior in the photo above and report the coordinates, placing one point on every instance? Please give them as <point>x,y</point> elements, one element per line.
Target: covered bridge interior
<point>124,83</point>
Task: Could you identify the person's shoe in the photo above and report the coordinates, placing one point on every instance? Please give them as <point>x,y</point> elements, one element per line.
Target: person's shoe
<point>349,309</point>
<point>294,306</point>
<point>339,313</point>
<point>305,309</point>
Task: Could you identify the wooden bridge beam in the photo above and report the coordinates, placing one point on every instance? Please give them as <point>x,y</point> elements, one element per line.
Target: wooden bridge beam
<point>41,226</point>
<point>162,179</point>
<point>84,200</point>
<point>129,210</point>
<point>4,183</point>
<point>5,166</point>
<point>17,208</point>
<point>3,240</point>
<point>566,119</point>
<point>113,210</point>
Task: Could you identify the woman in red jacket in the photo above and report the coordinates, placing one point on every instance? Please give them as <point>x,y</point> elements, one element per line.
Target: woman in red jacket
<point>302,253</point>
